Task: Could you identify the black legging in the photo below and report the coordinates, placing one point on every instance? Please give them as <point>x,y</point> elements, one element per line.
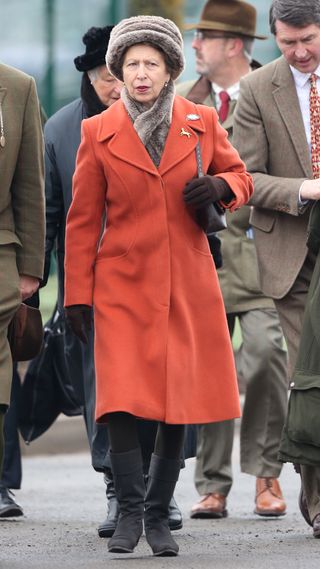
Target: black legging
<point>123,436</point>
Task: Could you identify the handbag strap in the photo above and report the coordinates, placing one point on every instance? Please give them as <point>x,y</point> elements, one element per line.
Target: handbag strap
<point>199,159</point>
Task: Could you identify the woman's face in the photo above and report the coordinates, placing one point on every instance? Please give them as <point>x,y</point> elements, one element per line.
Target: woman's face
<point>106,86</point>
<point>144,73</point>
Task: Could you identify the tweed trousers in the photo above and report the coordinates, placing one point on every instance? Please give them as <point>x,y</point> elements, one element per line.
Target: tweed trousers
<point>262,362</point>
<point>10,299</point>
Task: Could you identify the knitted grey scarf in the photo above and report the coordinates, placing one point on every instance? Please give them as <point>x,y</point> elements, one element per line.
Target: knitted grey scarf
<point>152,124</point>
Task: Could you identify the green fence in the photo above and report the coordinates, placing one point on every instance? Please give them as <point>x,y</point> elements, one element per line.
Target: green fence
<point>42,37</point>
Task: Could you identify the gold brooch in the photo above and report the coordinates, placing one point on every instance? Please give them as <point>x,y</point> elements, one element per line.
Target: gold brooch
<point>185,133</point>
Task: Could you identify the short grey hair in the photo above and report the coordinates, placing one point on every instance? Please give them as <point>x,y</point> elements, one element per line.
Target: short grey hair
<point>93,74</point>
<point>247,48</point>
<point>296,13</point>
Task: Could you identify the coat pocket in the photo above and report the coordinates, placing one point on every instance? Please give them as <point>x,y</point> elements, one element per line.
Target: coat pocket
<point>7,237</point>
<point>303,419</point>
<point>263,220</point>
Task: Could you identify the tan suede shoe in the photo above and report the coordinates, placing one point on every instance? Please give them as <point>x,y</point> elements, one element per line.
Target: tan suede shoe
<point>269,499</point>
<point>210,506</point>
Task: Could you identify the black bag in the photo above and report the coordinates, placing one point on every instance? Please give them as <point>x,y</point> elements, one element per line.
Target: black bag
<point>211,218</point>
<point>46,390</point>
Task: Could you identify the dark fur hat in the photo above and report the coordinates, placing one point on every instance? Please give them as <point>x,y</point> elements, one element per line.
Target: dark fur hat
<point>96,41</point>
<point>160,32</point>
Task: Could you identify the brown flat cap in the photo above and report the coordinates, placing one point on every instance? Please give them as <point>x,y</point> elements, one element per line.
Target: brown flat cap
<point>232,16</point>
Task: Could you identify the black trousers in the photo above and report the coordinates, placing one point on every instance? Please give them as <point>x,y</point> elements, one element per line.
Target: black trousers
<point>12,467</point>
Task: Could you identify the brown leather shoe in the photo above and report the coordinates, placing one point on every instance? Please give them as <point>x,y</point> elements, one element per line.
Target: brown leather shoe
<point>316,526</point>
<point>269,499</point>
<point>210,506</point>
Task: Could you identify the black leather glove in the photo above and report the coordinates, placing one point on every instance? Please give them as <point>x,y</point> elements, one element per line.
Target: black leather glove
<point>205,190</point>
<point>79,318</point>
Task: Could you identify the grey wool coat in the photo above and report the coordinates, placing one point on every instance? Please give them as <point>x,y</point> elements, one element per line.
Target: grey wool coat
<point>62,139</point>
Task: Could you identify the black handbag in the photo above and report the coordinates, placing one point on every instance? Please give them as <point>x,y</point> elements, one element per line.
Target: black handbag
<point>46,390</point>
<point>211,218</point>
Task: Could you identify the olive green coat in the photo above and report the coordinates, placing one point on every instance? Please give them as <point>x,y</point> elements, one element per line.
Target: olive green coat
<point>301,435</point>
<point>238,277</point>
<point>21,200</point>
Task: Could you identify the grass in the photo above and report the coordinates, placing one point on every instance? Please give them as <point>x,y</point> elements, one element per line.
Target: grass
<point>48,297</point>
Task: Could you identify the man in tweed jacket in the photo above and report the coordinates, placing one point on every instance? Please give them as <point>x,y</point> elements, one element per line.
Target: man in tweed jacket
<point>21,208</point>
<point>272,131</point>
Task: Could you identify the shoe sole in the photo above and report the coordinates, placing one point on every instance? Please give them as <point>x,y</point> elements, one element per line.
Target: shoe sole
<point>209,515</point>
<point>174,527</point>
<point>166,553</point>
<point>11,512</point>
<point>106,532</point>
<point>270,514</point>
<point>119,549</point>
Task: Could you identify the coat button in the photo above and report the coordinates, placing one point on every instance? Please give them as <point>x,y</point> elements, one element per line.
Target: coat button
<point>292,384</point>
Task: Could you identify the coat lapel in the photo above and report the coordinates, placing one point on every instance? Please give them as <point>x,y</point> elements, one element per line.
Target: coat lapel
<point>124,142</point>
<point>286,99</point>
<point>182,137</point>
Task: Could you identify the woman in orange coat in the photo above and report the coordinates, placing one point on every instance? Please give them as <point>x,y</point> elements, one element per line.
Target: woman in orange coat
<point>162,347</point>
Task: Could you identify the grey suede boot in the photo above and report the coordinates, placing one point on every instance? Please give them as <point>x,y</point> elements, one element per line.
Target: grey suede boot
<point>163,475</point>
<point>109,524</point>
<point>130,490</point>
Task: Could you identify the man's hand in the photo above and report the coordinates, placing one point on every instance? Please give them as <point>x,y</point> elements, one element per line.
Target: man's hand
<point>79,318</point>
<point>28,286</point>
<point>205,190</point>
<point>310,190</point>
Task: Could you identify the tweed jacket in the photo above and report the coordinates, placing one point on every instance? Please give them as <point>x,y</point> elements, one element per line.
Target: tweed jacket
<point>21,167</point>
<point>270,135</point>
<point>239,275</point>
<point>21,200</point>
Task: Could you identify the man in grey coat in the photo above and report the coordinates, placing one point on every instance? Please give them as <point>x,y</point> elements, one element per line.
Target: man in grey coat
<point>276,130</point>
<point>62,134</point>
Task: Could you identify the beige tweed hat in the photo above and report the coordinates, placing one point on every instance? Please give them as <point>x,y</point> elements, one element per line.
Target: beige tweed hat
<point>160,32</point>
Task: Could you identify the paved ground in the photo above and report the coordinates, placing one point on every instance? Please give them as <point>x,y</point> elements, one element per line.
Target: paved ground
<point>64,501</point>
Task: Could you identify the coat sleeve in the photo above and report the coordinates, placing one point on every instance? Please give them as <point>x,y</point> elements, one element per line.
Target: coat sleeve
<point>250,137</point>
<point>54,201</point>
<point>27,190</point>
<point>227,164</point>
<point>84,221</point>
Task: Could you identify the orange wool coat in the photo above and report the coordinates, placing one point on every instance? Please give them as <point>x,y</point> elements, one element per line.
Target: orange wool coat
<point>162,347</point>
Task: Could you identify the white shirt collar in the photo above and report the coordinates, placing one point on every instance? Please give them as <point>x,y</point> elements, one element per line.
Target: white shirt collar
<point>233,90</point>
<point>300,78</point>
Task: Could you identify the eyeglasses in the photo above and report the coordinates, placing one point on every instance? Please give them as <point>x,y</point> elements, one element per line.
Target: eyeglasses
<point>201,35</point>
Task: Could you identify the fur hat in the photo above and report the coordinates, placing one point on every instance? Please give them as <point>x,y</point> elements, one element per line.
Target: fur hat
<point>160,32</point>
<point>96,41</point>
